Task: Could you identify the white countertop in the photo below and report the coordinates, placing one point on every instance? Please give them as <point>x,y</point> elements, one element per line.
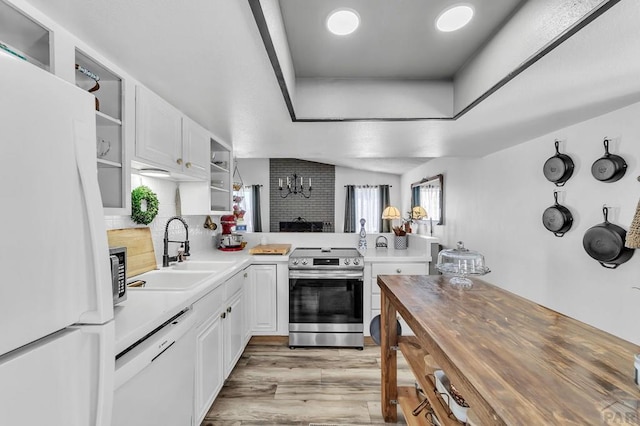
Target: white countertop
<point>145,310</point>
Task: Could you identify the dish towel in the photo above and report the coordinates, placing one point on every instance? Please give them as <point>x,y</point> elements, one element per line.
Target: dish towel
<point>633,236</point>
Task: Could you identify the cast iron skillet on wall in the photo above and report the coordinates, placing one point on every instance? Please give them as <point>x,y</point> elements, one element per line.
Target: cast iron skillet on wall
<point>557,218</point>
<point>559,168</point>
<point>605,243</point>
<point>610,167</point>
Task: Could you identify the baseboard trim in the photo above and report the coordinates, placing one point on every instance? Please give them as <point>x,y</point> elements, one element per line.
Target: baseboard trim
<point>284,340</point>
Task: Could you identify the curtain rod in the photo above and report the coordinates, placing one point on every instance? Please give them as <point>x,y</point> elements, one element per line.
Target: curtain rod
<point>369,186</point>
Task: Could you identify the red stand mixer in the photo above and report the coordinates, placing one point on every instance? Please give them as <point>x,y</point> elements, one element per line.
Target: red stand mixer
<point>230,240</point>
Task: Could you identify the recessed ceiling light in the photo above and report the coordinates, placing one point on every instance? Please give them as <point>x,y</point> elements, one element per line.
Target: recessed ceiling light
<point>454,18</point>
<point>343,21</point>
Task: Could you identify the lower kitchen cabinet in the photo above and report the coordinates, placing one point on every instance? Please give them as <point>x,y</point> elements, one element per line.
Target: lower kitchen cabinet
<point>403,268</point>
<point>263,300</point>
<point>220,339</point>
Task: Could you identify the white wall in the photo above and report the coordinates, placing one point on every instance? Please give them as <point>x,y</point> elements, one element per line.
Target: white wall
<point>347,176</point>
<point>495,205</point>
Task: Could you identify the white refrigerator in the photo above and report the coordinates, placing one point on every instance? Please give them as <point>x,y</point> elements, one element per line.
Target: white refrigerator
<point>56,313</point>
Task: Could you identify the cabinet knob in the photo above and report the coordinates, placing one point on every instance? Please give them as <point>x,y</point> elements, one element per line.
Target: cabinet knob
<point>246,275</point>
<point>229,309</point>
<point>179,161</point>
<point>223,315</point>
<point>398,270</point>
<point>188,165</point>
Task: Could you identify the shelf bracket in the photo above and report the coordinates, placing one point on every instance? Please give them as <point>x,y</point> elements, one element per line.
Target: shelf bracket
<point>393,401</point>
<point>394,348</point>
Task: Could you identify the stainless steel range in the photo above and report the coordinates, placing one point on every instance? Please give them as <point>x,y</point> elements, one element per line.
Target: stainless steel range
<point>325,297</point>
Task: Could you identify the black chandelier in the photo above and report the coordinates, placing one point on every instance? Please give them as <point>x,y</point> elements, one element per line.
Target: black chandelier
<point>294,185</point>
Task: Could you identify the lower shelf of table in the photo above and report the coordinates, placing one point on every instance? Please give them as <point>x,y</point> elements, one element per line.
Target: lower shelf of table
<point>414,355</point>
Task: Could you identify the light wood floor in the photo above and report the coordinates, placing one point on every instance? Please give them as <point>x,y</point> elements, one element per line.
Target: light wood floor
<point>272,384</point>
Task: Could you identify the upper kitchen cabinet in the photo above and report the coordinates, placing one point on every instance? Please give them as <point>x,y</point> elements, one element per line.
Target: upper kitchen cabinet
<point>107,87</point>
<point>166,139</point>
<point>214,195</point>
<point>23,37</point>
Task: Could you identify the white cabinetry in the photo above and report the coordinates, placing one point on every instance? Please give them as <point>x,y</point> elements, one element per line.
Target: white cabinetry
<point>209,370</point>
<point>263,299</point>
<point>165,138</point>
<point>220,340</point>
<point>23,37</point>
<point>405,268</point>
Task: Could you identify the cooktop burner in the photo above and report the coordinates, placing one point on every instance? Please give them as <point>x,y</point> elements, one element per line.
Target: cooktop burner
<point>325,258</point>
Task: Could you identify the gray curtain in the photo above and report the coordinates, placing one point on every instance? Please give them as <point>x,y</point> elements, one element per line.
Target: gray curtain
<point>385,225</point>
<point>415,196</point>
<point>256,218</point>
<point>350,209</point>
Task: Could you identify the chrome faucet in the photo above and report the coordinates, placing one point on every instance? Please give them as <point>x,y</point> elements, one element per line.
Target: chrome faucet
<point>165,256</point>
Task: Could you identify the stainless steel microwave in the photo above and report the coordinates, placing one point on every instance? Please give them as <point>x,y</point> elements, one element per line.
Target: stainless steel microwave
<point>118,257</point>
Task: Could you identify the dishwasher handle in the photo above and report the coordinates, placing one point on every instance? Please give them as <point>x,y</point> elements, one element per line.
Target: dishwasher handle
<point>152,347</point>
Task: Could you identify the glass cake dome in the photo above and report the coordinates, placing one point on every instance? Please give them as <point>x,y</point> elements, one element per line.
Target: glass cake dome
<point>459,263</point>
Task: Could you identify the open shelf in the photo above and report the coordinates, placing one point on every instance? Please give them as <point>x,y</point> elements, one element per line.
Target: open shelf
<point>215,188</point>
<point>218,169</point>
<point>408,401</point>
<point>104,119</point>
<point>23,37</point>
<point>102,162</point>
<point>414,355</point>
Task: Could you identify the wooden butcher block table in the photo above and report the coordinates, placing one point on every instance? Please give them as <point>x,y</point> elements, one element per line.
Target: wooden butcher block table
<point>514,361</point>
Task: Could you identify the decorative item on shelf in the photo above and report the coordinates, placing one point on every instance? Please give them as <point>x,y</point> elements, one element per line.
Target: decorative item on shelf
<point>459,263</point>
<point>102,147</point>
<point>95,79</point>
<point>400,239</point>
<point>143,213</point>
<point>381,242</point>
<point>419,214</point>
<point>559,168</point>
<point>295,186</point>
<point>210,224</point>
<point>362,242</point>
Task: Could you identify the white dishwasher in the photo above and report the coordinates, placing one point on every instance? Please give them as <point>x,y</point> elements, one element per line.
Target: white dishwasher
<point>154,377</point>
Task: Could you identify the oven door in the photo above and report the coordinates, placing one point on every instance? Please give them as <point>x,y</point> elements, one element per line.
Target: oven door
<point>323,300</point>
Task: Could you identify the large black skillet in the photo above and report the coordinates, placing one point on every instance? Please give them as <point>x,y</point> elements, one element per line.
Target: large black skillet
<point>559,168</point>
<point>605,243</point>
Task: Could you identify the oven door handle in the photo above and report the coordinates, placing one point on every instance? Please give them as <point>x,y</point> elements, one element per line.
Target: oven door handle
<point>326,275</point>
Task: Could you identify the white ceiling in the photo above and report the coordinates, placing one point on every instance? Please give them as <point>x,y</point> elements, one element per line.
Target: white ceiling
<point>396,39</point>
<point>207,58</point>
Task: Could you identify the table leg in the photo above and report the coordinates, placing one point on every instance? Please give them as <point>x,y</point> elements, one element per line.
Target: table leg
<point>389,373</point>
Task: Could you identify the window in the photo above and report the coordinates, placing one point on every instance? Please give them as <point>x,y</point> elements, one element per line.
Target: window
<point>368,207</point>
<point>244,200</point>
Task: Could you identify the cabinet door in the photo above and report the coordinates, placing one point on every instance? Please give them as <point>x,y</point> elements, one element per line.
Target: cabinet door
<point>263,301</point>
<point>196,147</point>
<point>233,333</point>
<point>158,131</point>
<point>209,365</point>
<point>247,301</point>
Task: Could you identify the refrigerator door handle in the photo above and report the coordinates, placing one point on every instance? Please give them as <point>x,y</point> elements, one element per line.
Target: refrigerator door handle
<point>93,205</point>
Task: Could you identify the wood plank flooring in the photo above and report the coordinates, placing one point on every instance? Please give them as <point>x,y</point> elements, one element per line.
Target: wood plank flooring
<point>272,384</point>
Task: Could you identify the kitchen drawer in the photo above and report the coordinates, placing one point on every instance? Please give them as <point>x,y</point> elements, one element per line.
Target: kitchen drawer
<point>234,284</point>
<point>209,305</point>
<point>399,269</point>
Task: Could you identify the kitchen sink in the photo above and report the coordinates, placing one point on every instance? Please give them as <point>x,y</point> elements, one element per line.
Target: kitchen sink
<point>210,266</point>
<point>169,280</point>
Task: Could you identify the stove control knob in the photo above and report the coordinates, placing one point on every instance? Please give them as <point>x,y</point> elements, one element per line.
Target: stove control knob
<point>295,261</point>
<point>356,261</point>
<point>304,261</point>
<point>347,261</point>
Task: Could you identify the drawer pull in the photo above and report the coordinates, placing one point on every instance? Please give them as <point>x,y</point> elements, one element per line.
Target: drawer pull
<point>398,270</point>
<point>229,309</point>
<point>223,315</point>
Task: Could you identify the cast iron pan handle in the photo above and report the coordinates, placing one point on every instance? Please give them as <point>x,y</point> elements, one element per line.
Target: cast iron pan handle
<point>557,143</point>
<point>555,197</point>
<point>606,147</point>
<point>605,212</point>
